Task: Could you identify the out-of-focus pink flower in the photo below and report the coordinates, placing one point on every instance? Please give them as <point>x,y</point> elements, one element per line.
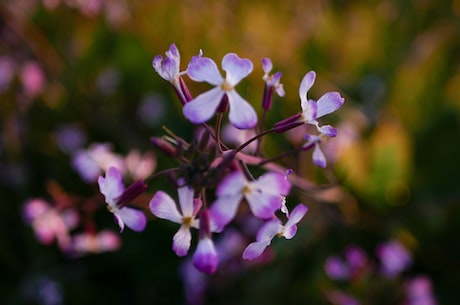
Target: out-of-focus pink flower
<point>32,78</point>
<point>236,136</point>
<point>90,242</point>
<point>140,166</point>
<point>49,224</point>
<point>419,291</point>
<point>336,268</point>
<point>394,258</point>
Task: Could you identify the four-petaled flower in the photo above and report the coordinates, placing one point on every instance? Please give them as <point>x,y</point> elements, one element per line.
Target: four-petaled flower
<point>313,110</point>
<point>264,196</point>
<point>202,108</point>
<point>272,80</point>
<point>112,188</point>
<point>272,228</point>
<point>318,156</point>
<point>164,207</point>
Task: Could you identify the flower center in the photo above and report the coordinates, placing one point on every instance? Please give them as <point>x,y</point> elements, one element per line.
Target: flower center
<point>226,86</point>
<point>187,221</point>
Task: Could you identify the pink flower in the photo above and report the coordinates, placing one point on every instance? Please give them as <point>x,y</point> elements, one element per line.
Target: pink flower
<point>394,257</point>
<point>272,228</point>
<point>202,108</point>
<point>102,241</point>
<point>113,189</point>
<point>264,196</point>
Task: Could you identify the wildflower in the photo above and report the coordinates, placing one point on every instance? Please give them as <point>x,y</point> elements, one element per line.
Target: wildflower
<point>169,68</point>
<point>318,156</point>
<point>202,108</point>
<point>164,207</point>
<point>394,257</point>
<point>205,258</point>
<point>116,197</point>
<point>272,228</point>
<point>92,242</point>
<point>313,110</point>
<point>272,83</point>
<point>336,268</point>
<point>264,196</point>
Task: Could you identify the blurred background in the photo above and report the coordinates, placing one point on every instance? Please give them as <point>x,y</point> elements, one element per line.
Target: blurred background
<point>77,73</point>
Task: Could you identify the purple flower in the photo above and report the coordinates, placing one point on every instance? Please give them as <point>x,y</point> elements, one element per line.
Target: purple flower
<point>272,80</point>
<point>168,68</point>
<point>394,257</point>
<point>205,257</point>
<point>202,108</point>
<point>264,196</point>
<point>336,268</point>
<point>318,156</point>
<point>313,110</point>
<point>419,291</point>
<point>112,188</point>
<point>164,207</point>
<point>272,228</point>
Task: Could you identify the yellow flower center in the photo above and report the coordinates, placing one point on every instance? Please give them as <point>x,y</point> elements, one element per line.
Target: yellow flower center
<point>187,221</point>
<point>226,86</point>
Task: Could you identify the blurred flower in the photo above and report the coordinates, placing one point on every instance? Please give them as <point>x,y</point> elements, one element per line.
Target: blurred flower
<point>91,162</point>
<point>394,258</point>
<point>108,80</point>
<point>113,190</point>
<point>336,268</point>
<point>32,78</point>
<point>272,228</point>
<point>69,138</point>
<point>151,110</point>
<point>140,166</point>
<point>92,242</point>
<point>194,282</point>
<point>236,136</point>
<point>49,223</point>
<point>272,83</point>
<point>164,207</point>
<point>202,108</point>
<point>419,291</point>
<point>263,195</point>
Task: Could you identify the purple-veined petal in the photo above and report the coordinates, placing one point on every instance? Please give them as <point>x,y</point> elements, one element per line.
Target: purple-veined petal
<point>318,156</point>
<point>241,114</point>
<point>205,258</point>
<point>263,205</point>
<point>297,214</point>
<point>267,65</point>
<point>133,219</point>
<point>111,186</point>
<point>202,108</point>
<point>273,183</point>
<point>233,184</point>
<point>186,200</point>
<point>237,68</point>
<point>328,130</point>
<point>328,103</point>
<point>164,207</point>
<point>309,111</point>
<point>204,69</point>
<point>224,210</point>
<point>306,84</point>
<point>182,240</point>
<point>255,249</point>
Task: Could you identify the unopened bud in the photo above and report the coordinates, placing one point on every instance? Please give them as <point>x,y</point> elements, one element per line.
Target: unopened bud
<point>164,146</point>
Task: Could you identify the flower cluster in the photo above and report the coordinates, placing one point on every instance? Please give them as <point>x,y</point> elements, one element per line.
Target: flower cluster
<point>223,176</point>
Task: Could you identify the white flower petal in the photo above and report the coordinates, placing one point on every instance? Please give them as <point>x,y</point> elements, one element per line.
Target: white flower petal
<point>241,114</point>
<point>111,186</point>
<point>202,108</point>
<point>306,84</point>
<point>255,249</point>
<point>232,184</point>
<point>329,103</point>
<point>237,68</point>
<point>223,210</point>
<point>182,240</point>
<point>186,200</point>
<point>134,219</point>
<point>164,207</point>
<point>204,69</point>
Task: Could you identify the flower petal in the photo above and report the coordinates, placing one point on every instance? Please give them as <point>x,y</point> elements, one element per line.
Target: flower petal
<point>269,230</point>
<point>233,184</point>
<point>241,114</point>
<point>267,65</point>
<point>164,207</point>
<point>237,68</point>
<point>273,183</point>
<point>263,205</point>
<point>328,130</point>
<point>306,84</point>
<point>186,200</point>
<point>318,156</point>
<point>223,210</point>
<point>204,69</point>
<point>202,108</point>
<point>111,186</point>
<point>205,258</point>
<point>328,103</point>
<point>309,111</point>
<point>290,228</point>
<point>182,240</point>
<point>134,219</point>
<point>255,249</point>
